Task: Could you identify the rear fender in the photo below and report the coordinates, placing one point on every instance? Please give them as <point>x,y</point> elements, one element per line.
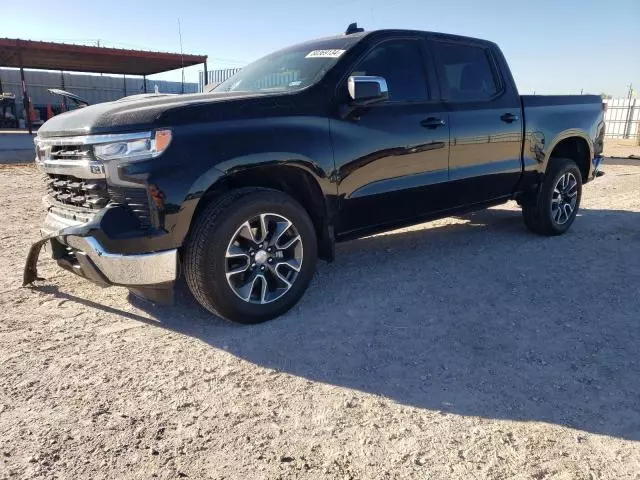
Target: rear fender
<point>574,132</point>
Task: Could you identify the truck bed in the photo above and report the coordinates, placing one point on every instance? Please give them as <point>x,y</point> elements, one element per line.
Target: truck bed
<point>558,100</point>
<point>550,118</point>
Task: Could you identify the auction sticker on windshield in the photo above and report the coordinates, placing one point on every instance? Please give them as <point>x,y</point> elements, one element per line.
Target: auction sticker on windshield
<point>325,53</point>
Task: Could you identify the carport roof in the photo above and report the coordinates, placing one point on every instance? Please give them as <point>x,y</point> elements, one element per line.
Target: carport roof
<point>81,58</point>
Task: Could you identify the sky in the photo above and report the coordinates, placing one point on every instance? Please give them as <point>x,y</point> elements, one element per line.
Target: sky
<point>552,46</point>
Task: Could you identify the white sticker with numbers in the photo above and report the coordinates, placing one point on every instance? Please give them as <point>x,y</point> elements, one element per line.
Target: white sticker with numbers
<point>325,53</point>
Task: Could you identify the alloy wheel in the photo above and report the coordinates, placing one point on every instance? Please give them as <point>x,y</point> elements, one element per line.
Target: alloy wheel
<point>263,258</point>
<point>564,198</point>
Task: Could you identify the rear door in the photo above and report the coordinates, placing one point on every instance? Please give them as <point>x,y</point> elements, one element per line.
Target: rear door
<point>485,118</point>
<point>392,158</point>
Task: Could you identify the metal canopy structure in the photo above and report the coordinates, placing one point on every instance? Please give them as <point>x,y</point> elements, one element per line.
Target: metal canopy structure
<point>82,58</point>
<point>31,54</point>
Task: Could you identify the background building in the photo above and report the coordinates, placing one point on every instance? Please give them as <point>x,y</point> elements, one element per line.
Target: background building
<point>215,76</point>
<point>94,88</point>
<point>50,62</point>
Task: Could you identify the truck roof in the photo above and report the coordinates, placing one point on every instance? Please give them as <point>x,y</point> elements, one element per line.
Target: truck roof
<point>399,31</point>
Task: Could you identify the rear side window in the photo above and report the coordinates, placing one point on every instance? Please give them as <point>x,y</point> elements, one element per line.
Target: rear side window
<point>400,63</point>
<point>466,72</point>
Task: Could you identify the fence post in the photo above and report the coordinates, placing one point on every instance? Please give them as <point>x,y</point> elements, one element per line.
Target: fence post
<point>632,110</point>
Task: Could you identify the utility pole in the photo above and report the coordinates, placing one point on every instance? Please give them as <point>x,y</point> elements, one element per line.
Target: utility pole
<point>181,53</point>
<point>627,122</point>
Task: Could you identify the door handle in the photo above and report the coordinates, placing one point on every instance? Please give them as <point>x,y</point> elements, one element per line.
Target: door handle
<point>433,122</point>
<point>509,118</point>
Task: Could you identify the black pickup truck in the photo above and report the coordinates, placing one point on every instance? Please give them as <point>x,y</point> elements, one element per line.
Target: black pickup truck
<point>242,188</point>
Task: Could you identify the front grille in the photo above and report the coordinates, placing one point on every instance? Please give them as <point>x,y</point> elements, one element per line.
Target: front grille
<point>83,190</point>
<point>94,194</point>
<point>71,152</point>
<point>77,192</point>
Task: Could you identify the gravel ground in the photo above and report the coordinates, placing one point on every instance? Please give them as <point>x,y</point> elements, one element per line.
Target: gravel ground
<point>622,148</point>
<point>462,348</point>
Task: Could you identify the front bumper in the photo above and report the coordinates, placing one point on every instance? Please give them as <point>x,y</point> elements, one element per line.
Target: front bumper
<point>75,248</point>
<point>136,270</point>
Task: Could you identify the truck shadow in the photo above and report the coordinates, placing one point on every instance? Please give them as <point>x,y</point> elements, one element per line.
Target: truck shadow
<point>623,161</point>
<point>475,318</point>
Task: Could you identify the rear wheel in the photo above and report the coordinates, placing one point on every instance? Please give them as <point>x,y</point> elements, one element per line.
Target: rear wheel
<point>251,255</point>
<point>554,208</point>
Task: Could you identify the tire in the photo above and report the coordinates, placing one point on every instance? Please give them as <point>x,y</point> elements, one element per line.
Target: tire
<point>541,211</point>
<point>222,262</point>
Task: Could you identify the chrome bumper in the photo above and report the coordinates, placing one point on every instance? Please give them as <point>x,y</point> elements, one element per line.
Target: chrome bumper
<point>127,270</point>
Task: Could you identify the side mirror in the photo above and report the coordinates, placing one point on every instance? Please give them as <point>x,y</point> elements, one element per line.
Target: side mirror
<point>366,90</point>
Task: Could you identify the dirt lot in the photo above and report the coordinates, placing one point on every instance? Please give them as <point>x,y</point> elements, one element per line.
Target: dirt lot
<point>462,348</point>
<point>622,148</point>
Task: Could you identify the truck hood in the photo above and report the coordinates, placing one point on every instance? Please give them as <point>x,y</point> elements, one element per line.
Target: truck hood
<point>143,112</point>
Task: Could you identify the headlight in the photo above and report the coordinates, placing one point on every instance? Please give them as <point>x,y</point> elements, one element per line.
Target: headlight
<point>135,149</point>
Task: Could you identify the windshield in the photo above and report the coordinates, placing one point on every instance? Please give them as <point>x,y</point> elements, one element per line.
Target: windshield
<point>291,69</point>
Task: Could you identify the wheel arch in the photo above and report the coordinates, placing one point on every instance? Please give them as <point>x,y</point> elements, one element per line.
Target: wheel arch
<point>299,178</point>
<point>576,145</point>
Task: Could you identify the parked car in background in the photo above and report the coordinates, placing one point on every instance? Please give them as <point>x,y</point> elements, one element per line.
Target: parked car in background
<point>73,101</point>
<point>241,189</point>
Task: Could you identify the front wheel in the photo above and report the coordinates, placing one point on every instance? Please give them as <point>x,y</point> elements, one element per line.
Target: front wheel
<point>251,255</point>
<point>554,208</point>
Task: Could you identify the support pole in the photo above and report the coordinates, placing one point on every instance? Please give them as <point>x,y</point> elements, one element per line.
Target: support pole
<point>64,99</point>
<point>25,96</point>
<point>25,101</point>
<point>124,84</point>
<point>144,80</point>
<point>206,76</point>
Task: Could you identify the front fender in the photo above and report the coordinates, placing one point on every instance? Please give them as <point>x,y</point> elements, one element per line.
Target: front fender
<point>204,155</point>
<point>272,159</point>
<point>179,223</point>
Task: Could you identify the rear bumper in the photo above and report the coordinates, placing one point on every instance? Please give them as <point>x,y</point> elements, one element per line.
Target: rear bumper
<point>596,163</point>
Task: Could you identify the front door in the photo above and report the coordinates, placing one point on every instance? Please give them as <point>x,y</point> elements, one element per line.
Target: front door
<point>392,158</point>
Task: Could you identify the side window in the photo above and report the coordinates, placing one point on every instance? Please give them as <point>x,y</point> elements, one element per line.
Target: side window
<point>466,72</point>
<point>400,63</point>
